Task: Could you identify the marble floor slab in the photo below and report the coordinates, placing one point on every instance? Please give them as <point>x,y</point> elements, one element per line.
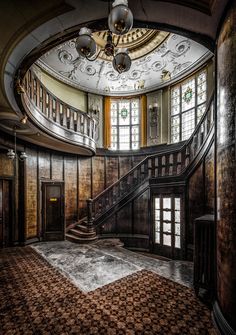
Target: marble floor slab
<point>96,265</point>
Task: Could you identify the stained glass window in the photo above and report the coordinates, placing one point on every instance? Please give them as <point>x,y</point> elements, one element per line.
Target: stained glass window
<point>188,103</point>
<point>125,124</point>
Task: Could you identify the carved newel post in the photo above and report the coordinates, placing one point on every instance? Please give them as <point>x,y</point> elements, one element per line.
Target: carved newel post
<point>89,212</point>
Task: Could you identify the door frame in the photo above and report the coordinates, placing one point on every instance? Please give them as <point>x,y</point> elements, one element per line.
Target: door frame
<point>165,251</point>
<point>12,211</point>
<point>43,184</point>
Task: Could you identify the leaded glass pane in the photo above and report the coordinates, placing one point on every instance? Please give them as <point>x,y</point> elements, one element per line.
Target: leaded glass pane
<point>175,101</point>
<point>157,214</point>
<point>177,204</point>
<point>166,216</point>
<point>177,229</point>
<point>157,237</point>
<point>157,225</point>
<point>188,124</point>
<point>201,87</point>
<point>166,227</point>
<point>135,145</point>
<point>167,239</point>
<point>113,106</point>
<point>157,203</point>
<point>177,241</point>
<point>124,114</point>
<point>177,216</point>
<point>188,94</point>
<point>167,203</point>
<point>175,129</point>
<point>200,111</point>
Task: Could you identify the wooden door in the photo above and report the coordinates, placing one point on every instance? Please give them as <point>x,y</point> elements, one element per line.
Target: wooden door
<point>5,217</point>
<point>168,225</point>
<point>53,222</point>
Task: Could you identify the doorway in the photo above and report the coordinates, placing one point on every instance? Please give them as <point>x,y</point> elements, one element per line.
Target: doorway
<point>168,225</point>
<point>5,214</point>
<point>53,221</point>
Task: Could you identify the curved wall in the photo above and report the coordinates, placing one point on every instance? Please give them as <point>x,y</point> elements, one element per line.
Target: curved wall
<point>225,312</point>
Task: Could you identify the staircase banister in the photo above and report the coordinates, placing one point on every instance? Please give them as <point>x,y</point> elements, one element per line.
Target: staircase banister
<point>168,152</point>
<point>132,170</point>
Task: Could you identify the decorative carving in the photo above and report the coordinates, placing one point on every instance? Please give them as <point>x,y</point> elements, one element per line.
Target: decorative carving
<point>165,60</point>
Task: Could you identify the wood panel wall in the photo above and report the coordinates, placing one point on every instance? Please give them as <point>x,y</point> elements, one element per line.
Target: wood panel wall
<point>83,178</point>
<point>131,224</point>
<point>201,195</point>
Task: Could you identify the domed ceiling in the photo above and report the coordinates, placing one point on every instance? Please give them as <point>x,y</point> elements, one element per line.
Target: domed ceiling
<point>157,57</point>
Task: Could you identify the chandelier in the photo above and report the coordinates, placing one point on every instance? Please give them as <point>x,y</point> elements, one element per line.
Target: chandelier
<point>120,21</point>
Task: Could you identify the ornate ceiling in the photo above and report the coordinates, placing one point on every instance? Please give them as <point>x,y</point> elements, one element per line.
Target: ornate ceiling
<point>157,57</point>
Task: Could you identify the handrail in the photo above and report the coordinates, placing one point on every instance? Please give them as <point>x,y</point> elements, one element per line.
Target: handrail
<point>169,163</point>
<point>54,109</point>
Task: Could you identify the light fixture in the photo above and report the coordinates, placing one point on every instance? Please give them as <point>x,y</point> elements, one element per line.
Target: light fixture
<point>12,154</point>
<point>24,119</point>
<point>120,21</point>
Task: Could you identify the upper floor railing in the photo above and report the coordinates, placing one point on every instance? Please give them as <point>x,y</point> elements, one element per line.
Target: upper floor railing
<point>170,163</point>
<point>55,112</point>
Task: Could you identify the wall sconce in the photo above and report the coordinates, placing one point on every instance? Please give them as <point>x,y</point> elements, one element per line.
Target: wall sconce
<point>24,119</point>
<point>95,110</point>
<point>12,154</point>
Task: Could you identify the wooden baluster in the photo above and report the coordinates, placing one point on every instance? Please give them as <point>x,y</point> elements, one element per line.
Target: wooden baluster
<point>43,100</point>
<point>85,125</point>
<point>35,91</point>
<point>67,117</point>
<point>78,123</point>
<point>170,172</point>
<point>31,86</point>
<point>50,108</point>
<point>38,92</point>
<point>82,123</point>
<point>53,109</point>
<point>57,112</point>
<point>64,118</point>
<point>72,127</point>
<point>163,165</point>
<point>47,104</point>
<point>75,121</point>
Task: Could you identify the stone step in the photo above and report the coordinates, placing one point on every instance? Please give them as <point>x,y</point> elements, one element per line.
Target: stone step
<point>84,234</point>
<point>83,227</point>
<point>81,240</point>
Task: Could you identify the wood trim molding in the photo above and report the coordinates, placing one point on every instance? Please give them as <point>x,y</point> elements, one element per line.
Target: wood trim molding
<point>143,119</point>
<point>107,123</point>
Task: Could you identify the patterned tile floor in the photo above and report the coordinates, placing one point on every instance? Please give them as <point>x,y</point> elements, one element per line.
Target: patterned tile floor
<point>37,299</point>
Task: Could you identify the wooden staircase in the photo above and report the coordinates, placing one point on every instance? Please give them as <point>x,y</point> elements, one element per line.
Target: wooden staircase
<point>170,163</point>
<point>81,233</point>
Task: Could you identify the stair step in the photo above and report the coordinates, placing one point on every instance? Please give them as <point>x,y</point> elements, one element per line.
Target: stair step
<point>83,228</point>
<point>81,240</point>
<point>76,231</point>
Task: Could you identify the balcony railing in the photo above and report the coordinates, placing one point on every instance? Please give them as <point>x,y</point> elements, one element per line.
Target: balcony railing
<point>55,116</point>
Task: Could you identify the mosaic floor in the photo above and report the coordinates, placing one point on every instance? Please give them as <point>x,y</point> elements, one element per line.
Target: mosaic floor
<point>37,299</point>
<point>96,265</point>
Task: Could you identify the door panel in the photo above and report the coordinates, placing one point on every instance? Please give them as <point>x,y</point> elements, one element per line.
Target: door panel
<point>53,211</point>
<point>5,220</point>
<point>167,235</point>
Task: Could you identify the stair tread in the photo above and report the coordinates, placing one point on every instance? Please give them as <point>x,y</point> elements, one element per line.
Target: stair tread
<point>81,238</point>
<point>82,233</point>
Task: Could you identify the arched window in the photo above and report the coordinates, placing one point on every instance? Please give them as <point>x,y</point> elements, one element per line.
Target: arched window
<point>188,103</point>
<point>125,124</point>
